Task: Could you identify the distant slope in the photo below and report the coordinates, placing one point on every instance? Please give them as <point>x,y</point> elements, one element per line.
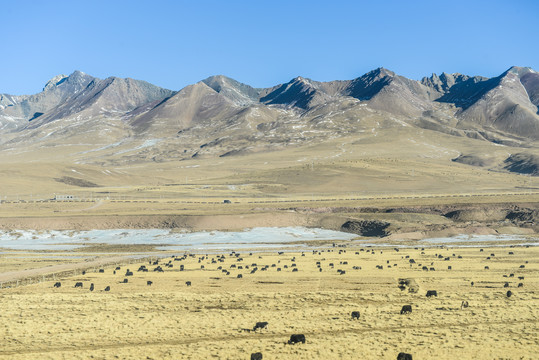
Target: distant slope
<point>188,106</point>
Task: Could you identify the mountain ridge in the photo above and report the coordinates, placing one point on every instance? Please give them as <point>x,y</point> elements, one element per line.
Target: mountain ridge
<point>219,116</point>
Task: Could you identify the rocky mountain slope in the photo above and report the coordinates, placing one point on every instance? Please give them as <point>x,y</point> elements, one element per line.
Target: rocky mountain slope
<point>133,121</point>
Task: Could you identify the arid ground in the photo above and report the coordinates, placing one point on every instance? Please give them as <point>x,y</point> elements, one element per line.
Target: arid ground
<point>214,317</point>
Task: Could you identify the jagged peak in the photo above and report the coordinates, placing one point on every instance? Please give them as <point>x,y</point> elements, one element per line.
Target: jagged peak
<point>239,93</point>
<point>216,82</point>
<point>220,80</point>
<point>301,79</point>
<point>59,79</point>
<point>77,73</point>
<point>54,82</point>
<point>381,71</point>
<point>445,75</point>
<point>218,77</point>
<point>519,70</point>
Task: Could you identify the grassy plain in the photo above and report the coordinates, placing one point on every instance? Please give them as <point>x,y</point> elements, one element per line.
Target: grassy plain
<point>169,320</point>
<point>393,162</point>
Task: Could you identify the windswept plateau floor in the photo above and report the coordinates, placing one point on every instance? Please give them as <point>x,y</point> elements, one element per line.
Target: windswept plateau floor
<point>214,317</point>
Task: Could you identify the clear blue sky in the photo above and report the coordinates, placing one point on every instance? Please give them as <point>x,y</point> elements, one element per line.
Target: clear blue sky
<point>261,43</point>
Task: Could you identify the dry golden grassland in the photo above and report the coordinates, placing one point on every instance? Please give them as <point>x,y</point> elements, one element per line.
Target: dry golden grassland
<point>211,318</point>
<point>399,163</point>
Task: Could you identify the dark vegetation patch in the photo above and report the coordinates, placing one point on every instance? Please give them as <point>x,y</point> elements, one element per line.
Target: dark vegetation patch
<point>366,227</point>
<point>35,116</point>
<point>76,182</point>
<point>474,160</point>
<point>477,214</point>
<point>523,163</point>
<point>523,215</point>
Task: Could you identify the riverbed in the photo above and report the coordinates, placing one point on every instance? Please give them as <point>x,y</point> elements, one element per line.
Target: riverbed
<point>261,238</point>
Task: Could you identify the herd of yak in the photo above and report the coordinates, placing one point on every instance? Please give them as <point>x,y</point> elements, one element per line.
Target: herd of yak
<point>294,338</point>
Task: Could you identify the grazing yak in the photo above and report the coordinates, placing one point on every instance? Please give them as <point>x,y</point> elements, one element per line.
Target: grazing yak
<point>404,356</point>
<point>256,356</point>
<point>57,285</point>
<point>406,309</point>
<point>149,283</point>
<point>260,325</point>
<point>107,288</point>
<point>296,338</point>
<point>432,293</point>
<point>355,315</point>
<point>509,293</point>
<point>188,283</point>
<point>79,284</point>
<point>92,287</point>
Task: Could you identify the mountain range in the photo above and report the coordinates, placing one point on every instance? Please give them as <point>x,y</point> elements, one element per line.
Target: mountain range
<point>127,121</point>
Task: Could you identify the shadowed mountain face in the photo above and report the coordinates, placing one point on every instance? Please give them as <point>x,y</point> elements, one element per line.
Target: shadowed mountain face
<point>299,92</point>
<point>504,105</point>
<point>386,91</point>
<point>370,84</point>
<point>444,82</point>
<point>219,116</point>
<point>530,81</point>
